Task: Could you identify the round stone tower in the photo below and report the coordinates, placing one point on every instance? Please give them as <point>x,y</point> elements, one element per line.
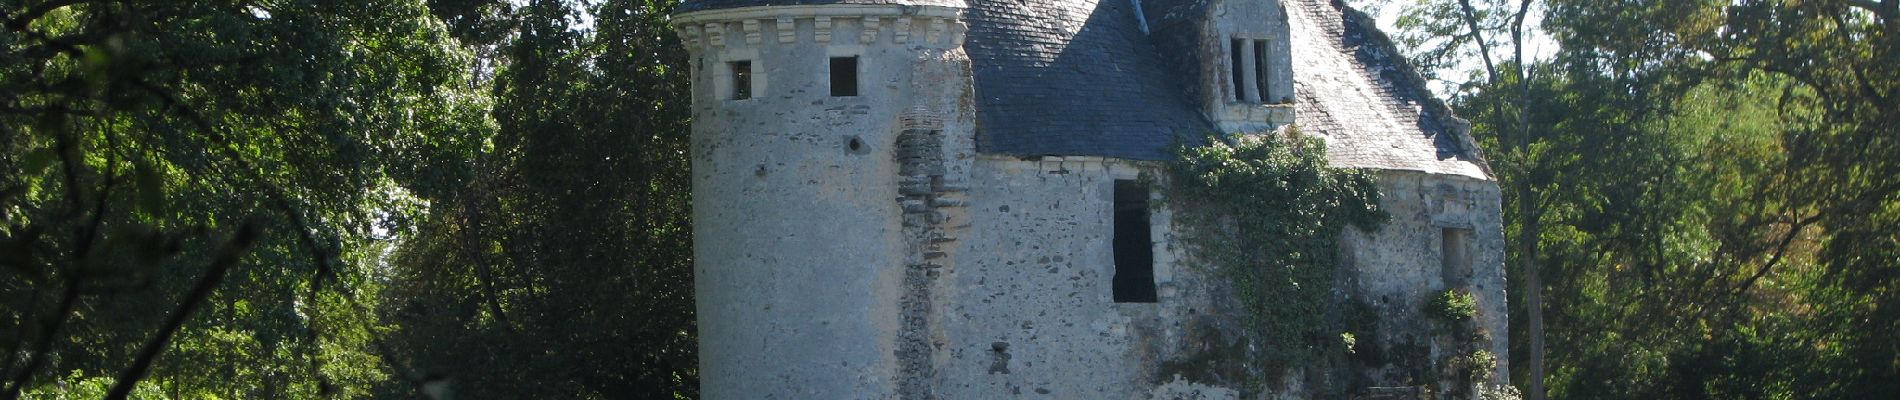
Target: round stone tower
<point>820,134</point>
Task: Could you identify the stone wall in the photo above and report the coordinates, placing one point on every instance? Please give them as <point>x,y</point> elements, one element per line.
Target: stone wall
<point>1028,308</point>
<point>1030,311</point>
<point>859,247</point>
<point>803,243</point>
<point>1397,270</point>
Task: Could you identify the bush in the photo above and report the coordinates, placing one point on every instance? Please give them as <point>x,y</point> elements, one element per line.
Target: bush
<point>1453,305</point>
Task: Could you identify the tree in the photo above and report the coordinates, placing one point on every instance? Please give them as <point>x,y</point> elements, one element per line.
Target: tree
<point>307,199</point>
<point>1789,283</point>
<point>574,235</point>
<point>1715,206</point>
<point>206,177</point>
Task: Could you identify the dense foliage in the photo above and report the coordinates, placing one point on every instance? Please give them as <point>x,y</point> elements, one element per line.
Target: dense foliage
<point>193,188</point>
<point>1711,190</point>
<point>299,199</point>
<point>1265,213</point>
<point>563,269</point>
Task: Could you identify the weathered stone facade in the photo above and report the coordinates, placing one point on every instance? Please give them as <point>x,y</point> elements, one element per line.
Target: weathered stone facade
<point>869,245</point>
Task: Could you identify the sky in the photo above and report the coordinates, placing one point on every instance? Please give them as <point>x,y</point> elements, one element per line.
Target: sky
<point>1538,45</point>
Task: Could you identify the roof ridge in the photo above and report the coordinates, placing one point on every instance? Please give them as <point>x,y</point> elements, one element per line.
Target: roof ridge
<point>1413,80</point>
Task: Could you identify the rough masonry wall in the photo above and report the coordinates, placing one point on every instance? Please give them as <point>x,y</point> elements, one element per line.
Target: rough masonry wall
<point>801,246</point>
<point>1029,309</point>
<point>1399,268</point>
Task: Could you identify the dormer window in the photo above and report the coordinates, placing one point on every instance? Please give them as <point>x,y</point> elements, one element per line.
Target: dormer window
<point>1250,62</point>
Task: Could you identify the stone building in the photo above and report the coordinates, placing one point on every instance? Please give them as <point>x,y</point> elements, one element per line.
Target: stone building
<point>934,198</point>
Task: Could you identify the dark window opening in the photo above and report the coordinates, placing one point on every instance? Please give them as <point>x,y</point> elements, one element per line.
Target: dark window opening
<point>741,79</point>
<point>1134,251</point>
<point>1456,251</point>
<point>844,76</point>
<point>1260,67</point>
<point>1239,69</point>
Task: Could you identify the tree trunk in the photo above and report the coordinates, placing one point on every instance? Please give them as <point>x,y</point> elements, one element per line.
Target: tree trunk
<point>1528,218</point>
<point>1528,228</point>
<point>1533,289</point>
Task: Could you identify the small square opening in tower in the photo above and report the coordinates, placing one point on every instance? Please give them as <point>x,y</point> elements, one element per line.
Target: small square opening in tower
<point>1134,249</point>
<point>1260,68</point>
<point>844,76</point>
<point>741,79</point>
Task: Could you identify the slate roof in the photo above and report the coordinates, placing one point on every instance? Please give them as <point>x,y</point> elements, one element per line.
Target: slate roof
<point>1355,89</point>
<point>1080,78</point>
<point>1074,77</point>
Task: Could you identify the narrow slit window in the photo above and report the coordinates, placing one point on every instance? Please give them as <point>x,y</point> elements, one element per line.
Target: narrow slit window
<point>1456,252</point>
<point>1239,69</point>
<point>1260,67</point>
<point>1134,249</point>
<point>844,76</point>
<point>741,79</point>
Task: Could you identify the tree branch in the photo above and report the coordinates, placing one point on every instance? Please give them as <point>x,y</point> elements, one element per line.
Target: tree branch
<point>83,239</point>
<point>472,237</point>
<point>58,320</point>
<point>1484,49</point>
<point>142,365</point>
<point>1781,250</point>
<point>273,195</point>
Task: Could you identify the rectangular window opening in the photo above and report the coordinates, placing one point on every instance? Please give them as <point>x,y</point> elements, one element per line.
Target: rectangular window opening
<point>1260,67</point>
<point>844,76</point>
<point>741,79</point>
<point>1457,257</point>
<point>1134,249</point>
<point>1239,69</point>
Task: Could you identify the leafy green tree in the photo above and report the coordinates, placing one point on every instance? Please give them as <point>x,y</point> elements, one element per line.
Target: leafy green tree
<point>1716,206</point>
<point>1779,267</point>
<point>574,234</point>
<point>209,178</point>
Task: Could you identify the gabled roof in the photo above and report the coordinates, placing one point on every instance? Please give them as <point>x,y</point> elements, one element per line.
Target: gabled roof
<point>1360,93</point>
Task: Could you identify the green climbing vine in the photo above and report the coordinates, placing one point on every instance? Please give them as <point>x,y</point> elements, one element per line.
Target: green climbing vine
<point>1265,214</point>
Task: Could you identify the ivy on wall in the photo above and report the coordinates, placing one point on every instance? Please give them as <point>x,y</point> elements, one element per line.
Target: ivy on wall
<point>1264,213</point>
